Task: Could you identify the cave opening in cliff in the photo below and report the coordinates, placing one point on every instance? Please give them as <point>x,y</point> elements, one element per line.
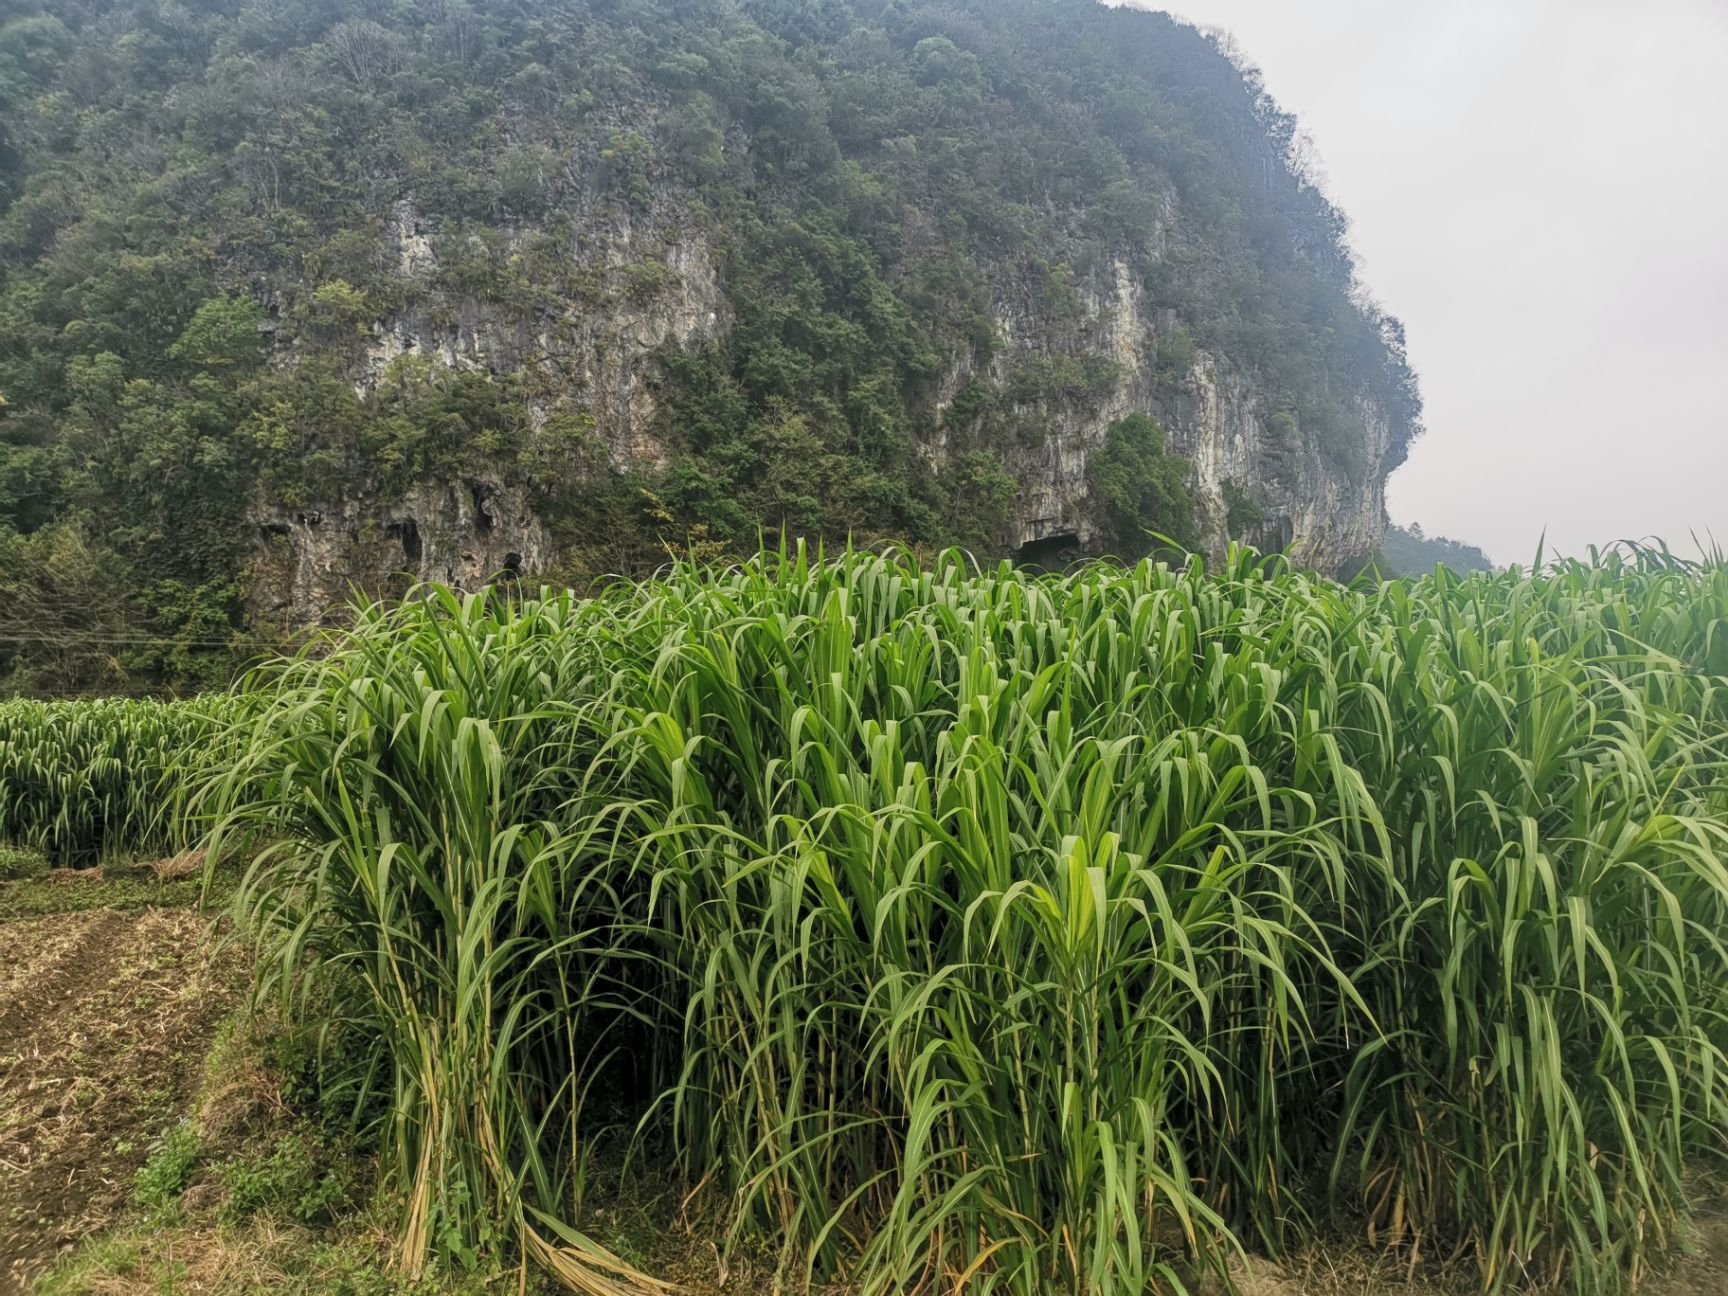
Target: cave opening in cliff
<point>482,516</point>
<point>1049,553</point>
<point>407,534</point>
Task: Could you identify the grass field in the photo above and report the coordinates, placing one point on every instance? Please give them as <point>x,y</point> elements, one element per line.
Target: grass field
<point>936,929</point>
<point>82,782</point>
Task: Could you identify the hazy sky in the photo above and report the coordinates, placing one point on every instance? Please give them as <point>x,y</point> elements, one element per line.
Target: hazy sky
<point>1539,189</point>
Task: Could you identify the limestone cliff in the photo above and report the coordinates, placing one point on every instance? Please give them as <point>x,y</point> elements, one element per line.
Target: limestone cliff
<point>608,361</point>
<point>599,352</point>
<point>1329,515</point>
<point>461,533</point>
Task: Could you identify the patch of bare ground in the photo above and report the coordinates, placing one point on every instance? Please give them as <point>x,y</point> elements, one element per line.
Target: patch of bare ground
<point>104,1019</point>
<point>1705,1271</point>
<point>1701,1269</point>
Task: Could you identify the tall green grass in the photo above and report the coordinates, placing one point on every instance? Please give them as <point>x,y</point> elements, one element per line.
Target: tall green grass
<point>974,930</point>
<point>87,781</point>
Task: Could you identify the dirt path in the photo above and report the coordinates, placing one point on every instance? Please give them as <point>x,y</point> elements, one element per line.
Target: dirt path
<point>104,1021</point>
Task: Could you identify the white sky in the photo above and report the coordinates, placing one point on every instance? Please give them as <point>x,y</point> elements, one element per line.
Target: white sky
<point>1539,190</point>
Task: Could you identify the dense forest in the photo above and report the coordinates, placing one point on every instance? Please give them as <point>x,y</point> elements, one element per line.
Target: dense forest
<point>202,239</point>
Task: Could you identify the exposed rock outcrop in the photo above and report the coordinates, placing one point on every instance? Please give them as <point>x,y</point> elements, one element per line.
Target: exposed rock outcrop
<point>654,283</point>
<point>1328,514</point>
<point>604,359</point>
<point>462,533</point>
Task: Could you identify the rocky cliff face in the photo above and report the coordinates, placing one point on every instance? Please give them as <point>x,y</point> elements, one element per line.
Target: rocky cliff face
<point>599,353</point>
<point>608,362</point>
<point>1327,514</point>
<point>461,533</point>
<point>600,357</point>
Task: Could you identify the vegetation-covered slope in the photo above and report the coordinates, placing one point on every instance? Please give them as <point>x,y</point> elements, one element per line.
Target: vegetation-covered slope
<point>639,267</point>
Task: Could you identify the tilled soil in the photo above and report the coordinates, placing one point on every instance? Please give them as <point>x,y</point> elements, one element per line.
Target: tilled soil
<point>104,1021</point>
